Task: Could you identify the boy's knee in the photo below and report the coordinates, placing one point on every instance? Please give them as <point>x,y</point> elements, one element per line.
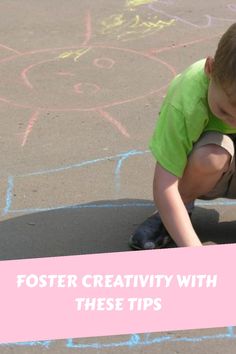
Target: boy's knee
<point>210,159</point>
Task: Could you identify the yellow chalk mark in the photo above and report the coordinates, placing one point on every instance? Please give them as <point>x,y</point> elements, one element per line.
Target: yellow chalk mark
<point>135,3</point>
<point>76,54</point>
<point>65,55</point>
<point>81,52</point>
<point>127,27</point>
<point>136,22</point>
<point>159,24</point>
<point>112,22</point>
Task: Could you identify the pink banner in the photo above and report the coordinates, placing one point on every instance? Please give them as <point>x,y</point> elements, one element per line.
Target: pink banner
<point>117,293</point>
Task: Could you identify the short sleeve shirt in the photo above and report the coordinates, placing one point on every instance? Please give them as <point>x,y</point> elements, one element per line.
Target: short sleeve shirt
<point>184,116</point>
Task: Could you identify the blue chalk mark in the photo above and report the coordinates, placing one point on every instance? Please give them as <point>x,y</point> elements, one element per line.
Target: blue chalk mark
<point>119,165</point>
<point>135,341</point>
<point>84,206</point>
<point>10,186</point>
<point>44,344</point>
<point>214,202</point>
<point>85,163</point>
<point>231,331</point>
<point>117,173</point>
<point>217,202</point>
<point>201,338</point>
<point>121,158</point>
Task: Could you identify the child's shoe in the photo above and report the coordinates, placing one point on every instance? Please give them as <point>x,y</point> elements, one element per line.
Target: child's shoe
<point>150,234</point>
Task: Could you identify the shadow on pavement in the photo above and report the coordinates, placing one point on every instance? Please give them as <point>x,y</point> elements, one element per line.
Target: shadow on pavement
<point>97,227</point>
<point>207,225</point>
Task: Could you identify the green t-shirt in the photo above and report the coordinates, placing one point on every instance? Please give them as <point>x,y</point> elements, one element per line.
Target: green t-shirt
<point>184,116</point>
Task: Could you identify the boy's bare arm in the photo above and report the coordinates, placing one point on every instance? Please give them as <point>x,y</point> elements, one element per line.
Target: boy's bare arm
<point>172,209</point>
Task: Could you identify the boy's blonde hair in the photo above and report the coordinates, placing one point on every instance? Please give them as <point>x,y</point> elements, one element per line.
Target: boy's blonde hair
<point>224,67</point>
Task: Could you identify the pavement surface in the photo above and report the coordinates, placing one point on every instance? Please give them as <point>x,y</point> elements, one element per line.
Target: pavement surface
<point>81,84</point>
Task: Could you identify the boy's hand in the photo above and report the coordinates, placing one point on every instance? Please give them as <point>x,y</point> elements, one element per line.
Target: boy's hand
<point>172,209</point>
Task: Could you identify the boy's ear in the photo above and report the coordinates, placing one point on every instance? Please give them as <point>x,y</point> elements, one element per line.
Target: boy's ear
<point>209,66</point>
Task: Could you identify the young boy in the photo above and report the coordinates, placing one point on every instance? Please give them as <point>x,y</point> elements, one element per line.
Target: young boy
<point>193,144</point>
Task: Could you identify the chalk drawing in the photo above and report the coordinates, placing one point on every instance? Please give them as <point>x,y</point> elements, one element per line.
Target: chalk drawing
<point>114,122</point>
<point>107,63</point>
<point>45,344</point>
<point>42,68</point>
<point>76,54</point>
<point>118,168</point>
<point>25,71</point>
<point>81,92</point>
<point>131,4</point>
<point>210,20</point>
<point>134,341</point>
<point>119,159</point>
<point>200,203</point>
<point>88,28</point>
<point>135,3</point>
<point>83,206</point>
<point>10,186</point>
<point>29,128</point>
<point>85,163</point>
<point>45,67</point>
<point>82,88</point>
<point>10,49</point>
<point>125,27</point>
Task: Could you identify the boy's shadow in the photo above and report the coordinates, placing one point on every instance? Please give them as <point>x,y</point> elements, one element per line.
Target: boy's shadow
<point>208,228</point>
<point>98,227</point>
